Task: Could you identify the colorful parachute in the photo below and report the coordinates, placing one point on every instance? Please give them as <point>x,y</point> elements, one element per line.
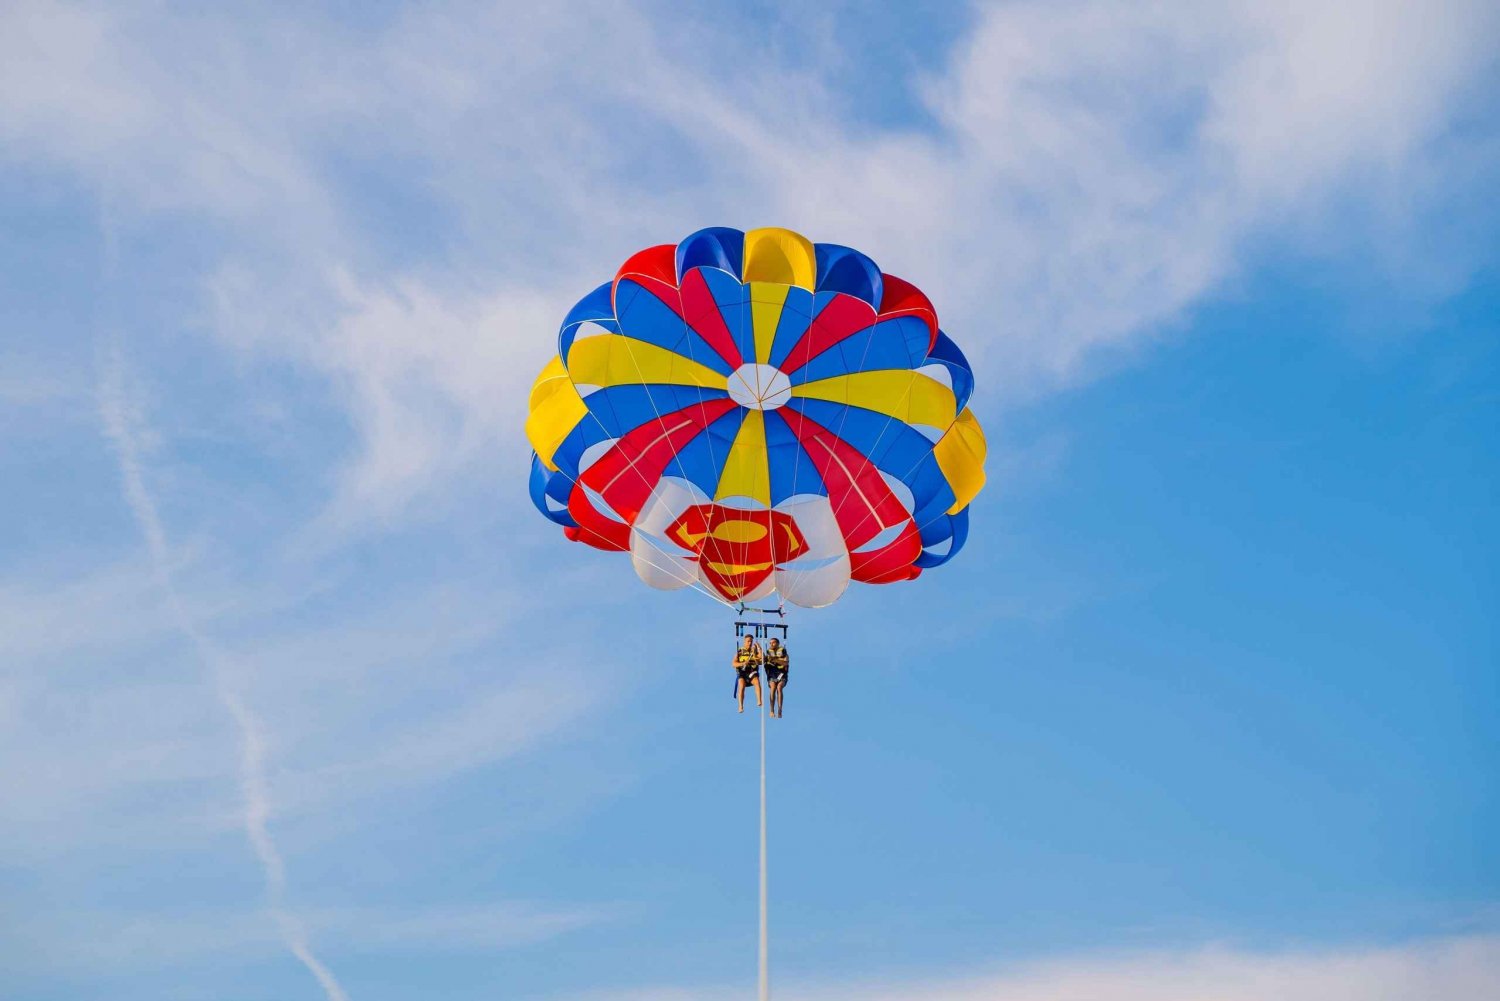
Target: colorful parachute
<point>752,413</point>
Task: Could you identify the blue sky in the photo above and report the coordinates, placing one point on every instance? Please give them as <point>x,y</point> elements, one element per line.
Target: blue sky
<point>300,699</point>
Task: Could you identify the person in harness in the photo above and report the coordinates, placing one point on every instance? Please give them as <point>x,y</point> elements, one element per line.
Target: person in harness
<point>747,657</point>
<point>777,661</point>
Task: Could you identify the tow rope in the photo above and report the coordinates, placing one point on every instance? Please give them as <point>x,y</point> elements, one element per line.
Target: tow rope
<point>765,950</point>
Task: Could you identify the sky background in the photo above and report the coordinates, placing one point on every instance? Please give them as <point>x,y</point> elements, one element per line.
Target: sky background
<point>299,698</point>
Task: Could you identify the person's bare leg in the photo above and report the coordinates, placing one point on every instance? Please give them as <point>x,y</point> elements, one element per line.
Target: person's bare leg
<point>778,697</point>
<point>756,682</point>
<point>739,693</point>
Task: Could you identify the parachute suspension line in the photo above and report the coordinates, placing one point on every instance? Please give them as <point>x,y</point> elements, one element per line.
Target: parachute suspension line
<point>839,431</point>
<point>765,939</point>
<point>672,569</point>
<point>865,454</point>
<point>696,585</point>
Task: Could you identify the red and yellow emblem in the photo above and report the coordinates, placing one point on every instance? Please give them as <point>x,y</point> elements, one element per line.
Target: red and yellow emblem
<point>737,549</point>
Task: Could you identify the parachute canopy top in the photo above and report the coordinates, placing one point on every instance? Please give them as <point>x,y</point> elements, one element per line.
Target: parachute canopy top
<point>753,413</point>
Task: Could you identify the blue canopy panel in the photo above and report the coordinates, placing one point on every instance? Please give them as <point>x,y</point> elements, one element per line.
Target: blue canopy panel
<point>791,469</point>
<point>946,353</point>
<point>621,409</point>
<point>892,446</point>
<point>952,529</point>
<point>716,247</point>
<point>585,435</point>
<point>808,306</point>
<point>896,343</point>
<point>796,317</point>
<point>594,307</point>
<point>939,496</point>
<point>841,269</point>
<point>791,329</point>
<point>646,318</point>
<point>546,486</point>
<point>701,460</point>
<point>733,300</point>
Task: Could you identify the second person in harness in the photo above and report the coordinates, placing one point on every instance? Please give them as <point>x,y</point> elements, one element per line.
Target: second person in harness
<point>777,661</point>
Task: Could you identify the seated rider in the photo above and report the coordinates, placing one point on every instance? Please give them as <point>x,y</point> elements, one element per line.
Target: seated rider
<point>747,669</point>
<point>777,661</point>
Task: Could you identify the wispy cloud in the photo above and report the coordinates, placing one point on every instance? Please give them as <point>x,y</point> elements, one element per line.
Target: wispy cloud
<point>121,426</point>
<point>1461,969</point>
<point>108,608</point>
<point>95,943</point>
<point>1083,176</point>
<point>1089,173</point>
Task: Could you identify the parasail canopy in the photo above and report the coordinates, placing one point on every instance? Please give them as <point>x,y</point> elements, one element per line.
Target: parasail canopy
<point>752,413</point>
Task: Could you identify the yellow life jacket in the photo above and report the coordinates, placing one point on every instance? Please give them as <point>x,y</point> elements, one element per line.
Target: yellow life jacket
<point>744,657</point>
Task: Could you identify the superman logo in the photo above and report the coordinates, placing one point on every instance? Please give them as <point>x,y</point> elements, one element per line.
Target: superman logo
<point>737,549</point>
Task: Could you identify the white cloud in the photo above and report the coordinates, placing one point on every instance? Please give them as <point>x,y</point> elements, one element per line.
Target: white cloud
<point>110,607</point>
<point>122,426</point>
<point>107,742</point>
<point>1454,969</point>
<point>1099,168</point>
<point>434,380</point>
<point>1091,172</point>
<point>92,943</point>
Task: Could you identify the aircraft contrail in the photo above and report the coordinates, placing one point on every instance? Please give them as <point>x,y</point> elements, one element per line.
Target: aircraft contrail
<point>120,427</point>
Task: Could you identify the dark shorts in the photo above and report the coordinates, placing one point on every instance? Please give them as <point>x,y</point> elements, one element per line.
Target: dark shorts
<point>745,674</point>
<point>776,675</point>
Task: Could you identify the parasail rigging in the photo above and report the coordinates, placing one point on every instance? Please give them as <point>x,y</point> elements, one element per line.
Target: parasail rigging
<point>760,418</point>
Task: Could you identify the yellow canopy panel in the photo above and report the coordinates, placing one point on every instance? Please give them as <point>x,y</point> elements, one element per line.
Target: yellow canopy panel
<point>960,455</point>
